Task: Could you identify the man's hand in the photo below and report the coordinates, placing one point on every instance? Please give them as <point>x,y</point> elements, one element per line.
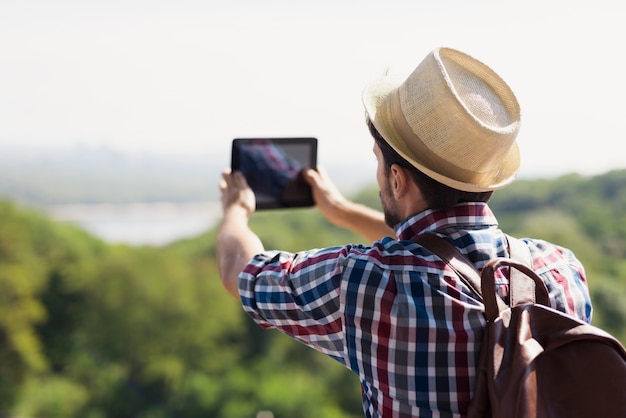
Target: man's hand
<point>327,197</point>
<point>236,194</point>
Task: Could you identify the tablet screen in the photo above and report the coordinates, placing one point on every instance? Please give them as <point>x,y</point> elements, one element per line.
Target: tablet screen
<point>273,169</point>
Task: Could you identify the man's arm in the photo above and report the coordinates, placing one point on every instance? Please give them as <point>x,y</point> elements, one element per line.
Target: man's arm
<point>344,213</point>
<point>236,243</point>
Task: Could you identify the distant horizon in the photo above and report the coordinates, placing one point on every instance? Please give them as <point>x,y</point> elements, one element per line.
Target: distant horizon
<point>138,223</point>
<point>335,166</point>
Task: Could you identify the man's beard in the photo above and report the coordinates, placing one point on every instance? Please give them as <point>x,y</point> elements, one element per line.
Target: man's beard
<point>392,218</point>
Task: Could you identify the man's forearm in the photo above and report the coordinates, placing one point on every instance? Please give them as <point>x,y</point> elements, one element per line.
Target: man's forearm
<point>344,213</point>
<point>364,221</point>
<point>236,245</point>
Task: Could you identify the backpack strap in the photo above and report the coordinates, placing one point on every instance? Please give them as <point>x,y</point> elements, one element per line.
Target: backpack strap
<point>522,290</point>
<point>458,262</point>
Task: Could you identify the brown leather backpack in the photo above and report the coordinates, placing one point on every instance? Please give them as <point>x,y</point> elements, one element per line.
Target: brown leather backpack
<point>536,361</point>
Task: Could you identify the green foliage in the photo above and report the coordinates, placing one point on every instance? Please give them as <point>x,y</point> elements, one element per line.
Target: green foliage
<point>32,250</point>
<point>95,330</point>
<point>299,229</point>
<point>89,329</point>
<point>597,205</point>
<point>50,396</point>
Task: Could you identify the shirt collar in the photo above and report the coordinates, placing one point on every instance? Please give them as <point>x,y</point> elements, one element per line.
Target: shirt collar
<point>471,215</point>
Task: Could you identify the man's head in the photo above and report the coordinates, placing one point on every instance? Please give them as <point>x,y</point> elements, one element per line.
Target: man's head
<point>453,119</point>
<point>436,195</point>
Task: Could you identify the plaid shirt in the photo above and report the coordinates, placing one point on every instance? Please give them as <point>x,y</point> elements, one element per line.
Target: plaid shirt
<point>395,314</point>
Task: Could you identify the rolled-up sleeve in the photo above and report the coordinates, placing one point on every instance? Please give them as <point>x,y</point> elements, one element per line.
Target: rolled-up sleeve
<point>299,294</point>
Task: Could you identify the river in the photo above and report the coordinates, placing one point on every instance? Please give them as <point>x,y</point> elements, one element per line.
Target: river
<point>140,223</point>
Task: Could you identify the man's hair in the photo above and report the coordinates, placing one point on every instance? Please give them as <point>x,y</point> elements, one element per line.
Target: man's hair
<point>438,195</point>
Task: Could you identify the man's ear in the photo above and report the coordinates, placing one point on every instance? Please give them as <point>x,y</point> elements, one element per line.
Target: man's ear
<point>398,181</point>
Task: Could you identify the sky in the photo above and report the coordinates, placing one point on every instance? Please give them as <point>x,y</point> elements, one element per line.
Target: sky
<point>186,77</point>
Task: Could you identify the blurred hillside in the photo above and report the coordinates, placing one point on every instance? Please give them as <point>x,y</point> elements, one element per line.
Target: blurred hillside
<point>90,329</point>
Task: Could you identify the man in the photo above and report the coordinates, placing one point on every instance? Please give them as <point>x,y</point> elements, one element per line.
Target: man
<point>392,312</point>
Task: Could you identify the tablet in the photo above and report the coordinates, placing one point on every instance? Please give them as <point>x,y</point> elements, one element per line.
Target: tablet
<point>273,168</point>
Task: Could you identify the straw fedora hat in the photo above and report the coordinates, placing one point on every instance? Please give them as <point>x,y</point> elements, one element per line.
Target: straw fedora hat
<point>453,118</point>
